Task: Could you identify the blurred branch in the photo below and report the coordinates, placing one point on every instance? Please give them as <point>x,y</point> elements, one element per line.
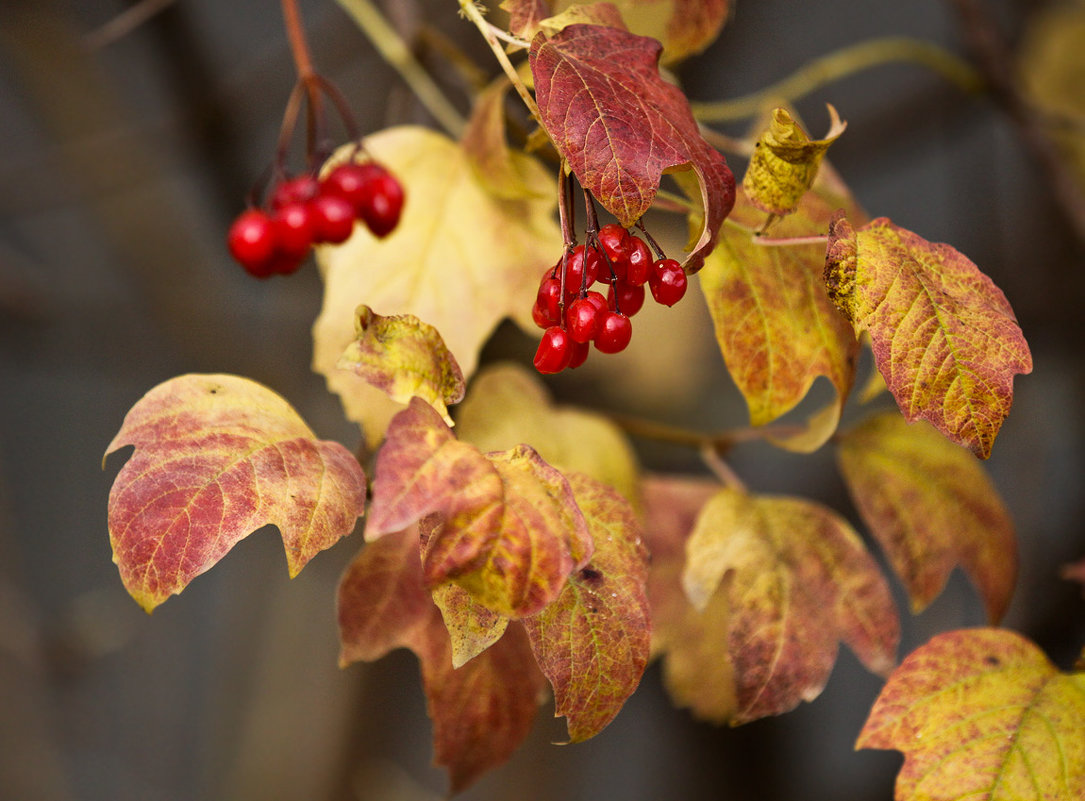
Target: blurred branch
<point>124,23</point>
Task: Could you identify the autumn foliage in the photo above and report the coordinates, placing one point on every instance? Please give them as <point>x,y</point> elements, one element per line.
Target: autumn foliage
<point>516,546</point>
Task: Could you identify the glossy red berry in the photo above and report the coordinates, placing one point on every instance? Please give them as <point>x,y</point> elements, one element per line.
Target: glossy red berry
<point>616,244</point>
<point>252,241</point>
<point>554,352</point>
<point>640,262</point>
<point>582,320</point>
<point>578,354</point>
<point>615,331</point>
<point>333,219</point>
<point>549,298</point>
<point>668,282</point>
<point>625,298</point>
<point>581,269</point>
<point>294,226</point>
<point>383,202</point>
<point>301,189</point>
<point>540,316</point>
<point>349,181</point>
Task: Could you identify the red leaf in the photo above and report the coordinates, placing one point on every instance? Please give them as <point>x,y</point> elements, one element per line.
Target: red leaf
<point>620,126</point>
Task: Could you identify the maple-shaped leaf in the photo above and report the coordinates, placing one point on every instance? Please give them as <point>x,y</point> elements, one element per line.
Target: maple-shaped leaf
<point>775,325</point>
<point>507,405</point>
<point>511,533</point>
<point>461,260</point>
<point>404,358</point>
<point>797,579</point>
<point>217,457</point>
<point>594,640</point>
<point>785,162</point>
<point>930,505</point>
<point>620,126</point>
<point>981,714</point>
<point>944,336</point>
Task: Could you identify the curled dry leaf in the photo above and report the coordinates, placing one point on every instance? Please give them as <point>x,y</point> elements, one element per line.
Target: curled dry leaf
<point>981,714</point>
<point>944,336</point>
<point>217,457</point>
<point>931,506</point>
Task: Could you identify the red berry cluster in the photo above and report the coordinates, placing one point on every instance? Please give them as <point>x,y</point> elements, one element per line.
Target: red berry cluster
<point>304,211</point>
<point>619,259</point>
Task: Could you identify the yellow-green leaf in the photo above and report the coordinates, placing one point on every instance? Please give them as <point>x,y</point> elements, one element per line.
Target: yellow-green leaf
<point>461,260</point>
<point>472,627</point>
<point>982,715</point>
<point>944,336</point>
<point>404,358</point>
<point>796,579</point>
<point>931,506</point>
<point>785,162</point>
<point>217,457</point>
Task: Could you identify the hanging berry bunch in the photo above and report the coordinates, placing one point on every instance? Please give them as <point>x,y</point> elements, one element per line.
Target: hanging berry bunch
<point>574,316</point>
<point>301,210</point>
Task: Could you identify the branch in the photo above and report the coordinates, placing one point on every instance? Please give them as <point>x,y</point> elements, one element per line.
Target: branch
<point>471,11</point>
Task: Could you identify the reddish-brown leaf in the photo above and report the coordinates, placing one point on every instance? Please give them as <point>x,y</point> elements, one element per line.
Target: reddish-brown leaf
<point>593,642</point>
<point>217,457</point>
<point>620,126</point>
<point>982,715</point>
<point>931,506</point>
<point>525,15</point>
<point>944,336</point>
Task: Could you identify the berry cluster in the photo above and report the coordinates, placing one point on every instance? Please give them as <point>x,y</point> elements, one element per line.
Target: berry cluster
<point>304,211</point>
<point>573,319</point>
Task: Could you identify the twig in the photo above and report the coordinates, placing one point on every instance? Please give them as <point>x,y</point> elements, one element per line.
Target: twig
<point>471,11</point>
<point>124,23</point>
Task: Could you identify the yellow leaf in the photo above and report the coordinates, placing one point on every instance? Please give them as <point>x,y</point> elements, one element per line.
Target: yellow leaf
<point>460,260</point>
<point>785,162</point>
<point>471,626</point>
<point>501,171</point>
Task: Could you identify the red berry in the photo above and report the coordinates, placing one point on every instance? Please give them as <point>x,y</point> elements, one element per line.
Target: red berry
<point>301,189</point>
<point>554,351</point>
<point>549,298</point>
<point>625,298</point>
<point>349,182</point>
<point>285,263</point>
<point>252,241</point>
<point>579,353</point>
<point>333,219</point>
<point>616,243</point>
<point>581,261</point>
<point>615,331</point>
<point>383,202</point>
<point>540,317</point>
<point>597,299</point>
<point>640,262</point>
<point>295,227</point>
<point>667,282</point>
<point>582,320</point>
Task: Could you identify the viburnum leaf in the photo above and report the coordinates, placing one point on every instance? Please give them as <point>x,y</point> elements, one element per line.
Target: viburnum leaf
<point>620,126</point>
<point>594,640</point>
<point>501,171</point>
<point>217,457</point>
<point>931,506</point>
<point>507,405</point>
<point>796,579</point>
<point>460,260</point>
<point>774,322</point>
<point>471,626</point>
<point>404,358</point>
<point>981,714</point>
<point>785,162</point>
<point>583,14</point>
<point>944,336</point>
<point>511,533</point>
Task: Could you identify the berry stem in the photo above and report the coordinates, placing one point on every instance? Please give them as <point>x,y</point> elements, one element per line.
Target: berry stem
<point>721,469</point>
<point>472,12</point>
<point>299,47</point>
<point>651,240</point>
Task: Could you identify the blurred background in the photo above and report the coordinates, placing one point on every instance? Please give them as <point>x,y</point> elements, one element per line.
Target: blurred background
<point>123,158</point>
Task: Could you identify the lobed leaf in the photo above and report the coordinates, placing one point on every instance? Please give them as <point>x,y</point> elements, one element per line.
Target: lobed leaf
<point>620,126</point>
<point>217,457</point>
<point>931,506</point>
<point>944,336</point>
<point>796,579</point>
<point>594,640</point>
<point>981,714</point>
<point>404,357</point>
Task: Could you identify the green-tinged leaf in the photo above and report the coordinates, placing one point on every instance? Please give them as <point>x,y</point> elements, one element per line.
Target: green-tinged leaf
<point>507,405</point>
<point>404,358</point>
<point>217,457</point>
<point>785,162</point>
<point>471,626</point>
<point>797,579</point>
<point>931,506</point>
<point>583,14</point>
<point>982,715</point>
<point>501,171</point>
<point>776,327</point>
<point>620,126</point>
<point>944,336</point>
<point>460,260</point>
<point>593,642</point>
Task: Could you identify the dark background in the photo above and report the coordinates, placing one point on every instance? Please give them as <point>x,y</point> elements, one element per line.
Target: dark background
<point>121,167</point>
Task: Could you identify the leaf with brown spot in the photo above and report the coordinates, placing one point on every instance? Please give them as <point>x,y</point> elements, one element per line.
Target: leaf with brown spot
<point>594,640</point>
<point>944,336</point>
<point>620,126</point>
<point>981,714</point>
<point>217,457</point>
<point>931,506</point>
<point>471,626</point>
<point>404,358</point>
<point>797,579</point>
